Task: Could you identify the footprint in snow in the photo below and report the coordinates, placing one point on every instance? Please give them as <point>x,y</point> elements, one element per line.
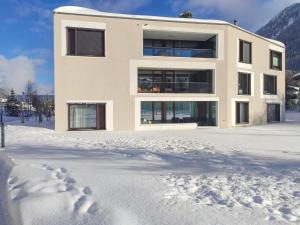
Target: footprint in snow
<point>69,180</point>
<point>63,170</point>
<point>84,205</point>
<point>59,176</point>
<point>79,203</point>
<point>93,208</point>
<point>87,191</point>
<point>46,167</point>
<point>12,180</point>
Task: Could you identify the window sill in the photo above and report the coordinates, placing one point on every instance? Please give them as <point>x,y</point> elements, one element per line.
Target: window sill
<point>178,57</point>
<point>276,69</point>
<point>165,126</point>
<point>170,93</point>
<point>245,63</point>
<point>246,95</point>
<point>242,124</point>
<point>85,56</point>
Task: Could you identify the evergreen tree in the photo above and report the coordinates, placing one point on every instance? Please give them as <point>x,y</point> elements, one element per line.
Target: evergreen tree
<point>12,107</point>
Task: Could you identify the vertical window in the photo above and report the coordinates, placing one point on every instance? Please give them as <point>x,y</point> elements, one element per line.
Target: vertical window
<point>146,112</point>
<point>270,85</point>
<point>85,42</point>
<point>242,112</point>
<point>273,113</point>
<point>244,84</point>
<point>157,112</point>
<point>245,52</point>
<point>275,60</point>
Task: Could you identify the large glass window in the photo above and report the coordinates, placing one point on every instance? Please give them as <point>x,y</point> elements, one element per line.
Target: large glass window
<point>180,48</point>
<point>275,60</point>
<point>85,42</point>
<point>270,85</point>
<point>178,81</point>
<point>245,52</point>
<point>202,113</point>
<point>83,116</point>
<point>244,84</point>
<point>87,116</point>
<point>242,112</point>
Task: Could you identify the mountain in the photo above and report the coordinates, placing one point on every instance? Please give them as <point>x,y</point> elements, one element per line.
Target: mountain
<point>285,27</point>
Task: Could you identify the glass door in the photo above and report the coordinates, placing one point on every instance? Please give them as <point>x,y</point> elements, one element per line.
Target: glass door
<point>273,113</point>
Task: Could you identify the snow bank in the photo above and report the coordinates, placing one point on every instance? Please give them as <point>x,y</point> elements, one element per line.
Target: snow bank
<point>239,176</point>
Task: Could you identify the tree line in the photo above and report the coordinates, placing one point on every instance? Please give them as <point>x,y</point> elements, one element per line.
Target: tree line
<point>28,104</point>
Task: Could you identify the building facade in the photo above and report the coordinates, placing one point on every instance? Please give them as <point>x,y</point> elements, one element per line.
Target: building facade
<point>127,72</point>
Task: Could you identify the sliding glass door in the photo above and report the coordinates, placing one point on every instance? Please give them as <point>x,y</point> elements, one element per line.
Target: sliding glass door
<point>202,113</point>
<point>273,113</point>
<point>242,113</point>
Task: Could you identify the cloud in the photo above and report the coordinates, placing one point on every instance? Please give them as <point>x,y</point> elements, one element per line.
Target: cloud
<point>39,55</point>
<point>15,72</point>
<point>251,14</point>
<point>111,5</point>
<point>41,12</point>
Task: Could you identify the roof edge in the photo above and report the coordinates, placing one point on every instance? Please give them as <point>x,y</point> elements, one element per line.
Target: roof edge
<point>76,10</point>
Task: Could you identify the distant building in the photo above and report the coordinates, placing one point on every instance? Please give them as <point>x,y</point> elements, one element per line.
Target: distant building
<point>2,103</point>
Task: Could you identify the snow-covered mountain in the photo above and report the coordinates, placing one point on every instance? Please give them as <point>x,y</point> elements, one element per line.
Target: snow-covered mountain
<point>285,27</point>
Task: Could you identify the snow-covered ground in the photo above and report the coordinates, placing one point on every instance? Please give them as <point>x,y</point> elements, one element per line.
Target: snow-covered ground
<point>204,176</point>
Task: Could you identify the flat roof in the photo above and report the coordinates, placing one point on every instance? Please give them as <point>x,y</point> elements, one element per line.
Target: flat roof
<point>91,12</point>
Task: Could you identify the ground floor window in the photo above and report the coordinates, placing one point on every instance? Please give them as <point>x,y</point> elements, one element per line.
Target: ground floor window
<point>242,112</point>
<point>86,116</point>
<point>202,113</point>
<point>273,113</point>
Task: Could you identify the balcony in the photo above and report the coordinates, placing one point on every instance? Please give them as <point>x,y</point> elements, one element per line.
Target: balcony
<point>174,87</point>
<point>179,44</point>
<point>175,81</point>
<point>179,52</point>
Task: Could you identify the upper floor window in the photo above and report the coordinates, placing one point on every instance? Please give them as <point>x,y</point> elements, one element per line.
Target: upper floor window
<point>85,42</point>
<point>180,48</point>
<point>245,52</point>
<point>270,85</point>
<point>275,60</point>
<point>244,84</point>
<point>178,81</point>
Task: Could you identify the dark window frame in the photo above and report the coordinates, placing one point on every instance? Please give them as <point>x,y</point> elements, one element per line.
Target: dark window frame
<point>175,45</point>
<point>163,113</point>
<point>237,113</point>
<point>175,74</point>
<point>98,125</point>
<point>279,67</point>
<point>277,112</point>
<point>76,29</point>
<point>249,85</point>
<point>267,89</point>
<point>241,51</point>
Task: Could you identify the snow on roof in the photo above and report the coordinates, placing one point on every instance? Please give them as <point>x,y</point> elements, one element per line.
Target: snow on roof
<point>91,12</point>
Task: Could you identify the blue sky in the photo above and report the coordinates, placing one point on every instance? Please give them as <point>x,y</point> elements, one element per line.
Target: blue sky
<point>26,40</point>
